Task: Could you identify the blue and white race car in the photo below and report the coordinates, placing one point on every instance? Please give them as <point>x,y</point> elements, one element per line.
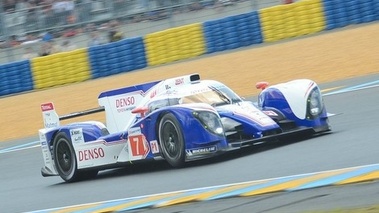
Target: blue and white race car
<point>178,119</point>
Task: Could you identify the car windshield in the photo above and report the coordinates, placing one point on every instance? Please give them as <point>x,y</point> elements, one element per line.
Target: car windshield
<point>215,95</point>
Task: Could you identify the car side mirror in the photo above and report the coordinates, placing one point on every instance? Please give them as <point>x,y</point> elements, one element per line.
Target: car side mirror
<point>261,85</point>
<point>140,110</point>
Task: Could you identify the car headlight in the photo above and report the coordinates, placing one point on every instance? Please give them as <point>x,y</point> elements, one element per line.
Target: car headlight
<point>210,121</point>
<point>314,103</point>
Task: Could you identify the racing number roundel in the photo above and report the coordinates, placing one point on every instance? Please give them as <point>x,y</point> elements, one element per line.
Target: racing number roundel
<point>138,147</point>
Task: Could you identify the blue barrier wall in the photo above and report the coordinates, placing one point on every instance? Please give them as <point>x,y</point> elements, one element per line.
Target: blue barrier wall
<point>340,13</point>
<point>232,32</point>
<point>15,77</point>
<point>117,57</point>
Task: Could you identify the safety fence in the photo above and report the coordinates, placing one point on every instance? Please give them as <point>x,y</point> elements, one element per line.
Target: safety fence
<point>192,40</point>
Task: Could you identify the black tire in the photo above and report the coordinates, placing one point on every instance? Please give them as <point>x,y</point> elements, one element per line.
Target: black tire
<point>171,140</point>
<point>65,160</point>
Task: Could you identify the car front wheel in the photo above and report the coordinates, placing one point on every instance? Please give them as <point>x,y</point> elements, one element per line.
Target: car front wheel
<point>171,140</point>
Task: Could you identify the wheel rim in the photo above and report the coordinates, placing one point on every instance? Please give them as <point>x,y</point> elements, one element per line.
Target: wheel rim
<point>170,139</point>
<point>64,157</point>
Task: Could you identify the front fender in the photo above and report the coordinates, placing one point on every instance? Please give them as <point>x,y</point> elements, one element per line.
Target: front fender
<point>195,135</point>
<point>292,99</point>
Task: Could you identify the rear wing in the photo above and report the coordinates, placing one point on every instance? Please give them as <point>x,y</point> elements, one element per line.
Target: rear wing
<point>49,115</point>
<point>51,118</point>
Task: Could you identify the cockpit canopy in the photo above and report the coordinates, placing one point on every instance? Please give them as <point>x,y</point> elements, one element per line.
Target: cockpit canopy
<point>207,91</point>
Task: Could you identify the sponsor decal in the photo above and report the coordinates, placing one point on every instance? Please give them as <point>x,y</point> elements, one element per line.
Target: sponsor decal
<point>47,107</point>
<point>200,90</point>
<point>125,104</point>
<point>138,147</point>
<point>154,147</point>
<point>122,102</point>
<point>200,151</point>
<point>91,154</point>
<point>179,81</point>
<point>77,135</point>
<point>51,125</point>
<point>153,94</point>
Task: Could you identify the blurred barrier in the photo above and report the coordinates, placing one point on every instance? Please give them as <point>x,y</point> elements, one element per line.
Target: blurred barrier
<point>15,78</point>
<point>340,13</point>
<point>232,32</point>
<point>60,68</point>
<point>117,57</point>
<point>174,44</point>
<point>191,40</point>
<point>292,20</point>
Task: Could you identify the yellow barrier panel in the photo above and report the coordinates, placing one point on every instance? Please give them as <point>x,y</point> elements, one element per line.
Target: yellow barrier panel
<point>292,20</point>
<point>60,68</point>
<point>174,44</point>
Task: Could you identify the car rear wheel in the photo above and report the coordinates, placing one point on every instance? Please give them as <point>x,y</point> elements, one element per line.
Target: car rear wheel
<point>171,140</point>
<point>65,160</point>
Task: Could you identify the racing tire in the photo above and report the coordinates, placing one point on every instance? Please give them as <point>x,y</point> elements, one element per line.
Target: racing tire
<point>171,140</point>
<point>65,158</point>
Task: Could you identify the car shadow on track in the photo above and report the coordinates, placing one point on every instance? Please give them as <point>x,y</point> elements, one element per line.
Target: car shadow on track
<point>152,166</point>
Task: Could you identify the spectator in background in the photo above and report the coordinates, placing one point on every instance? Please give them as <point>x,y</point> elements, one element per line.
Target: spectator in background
<point>84,10</point>
<point>194,6</point>
<point>55,48</point>
<point>29,53</point>
<point>30,39</point>
<point>115,36</point>
<point>47,15</point>
<point>48,48</point>
<point>142,5</point>
<point>95,39</point>
<point>114,33</point>
<point>9,6</point>
<point>32,15</point>
<point>45,49</point>
<point>120,7</point>
<point>47,37</point>
<point>21,5</point>
<point>13,41</point>
<point>62,9</point>
<point>67,46</point>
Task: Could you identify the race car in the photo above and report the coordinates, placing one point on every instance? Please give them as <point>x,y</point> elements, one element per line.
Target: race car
<point>178,120</point>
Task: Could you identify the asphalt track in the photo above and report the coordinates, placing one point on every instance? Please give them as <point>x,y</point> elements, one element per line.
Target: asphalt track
<point>296,170</point>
